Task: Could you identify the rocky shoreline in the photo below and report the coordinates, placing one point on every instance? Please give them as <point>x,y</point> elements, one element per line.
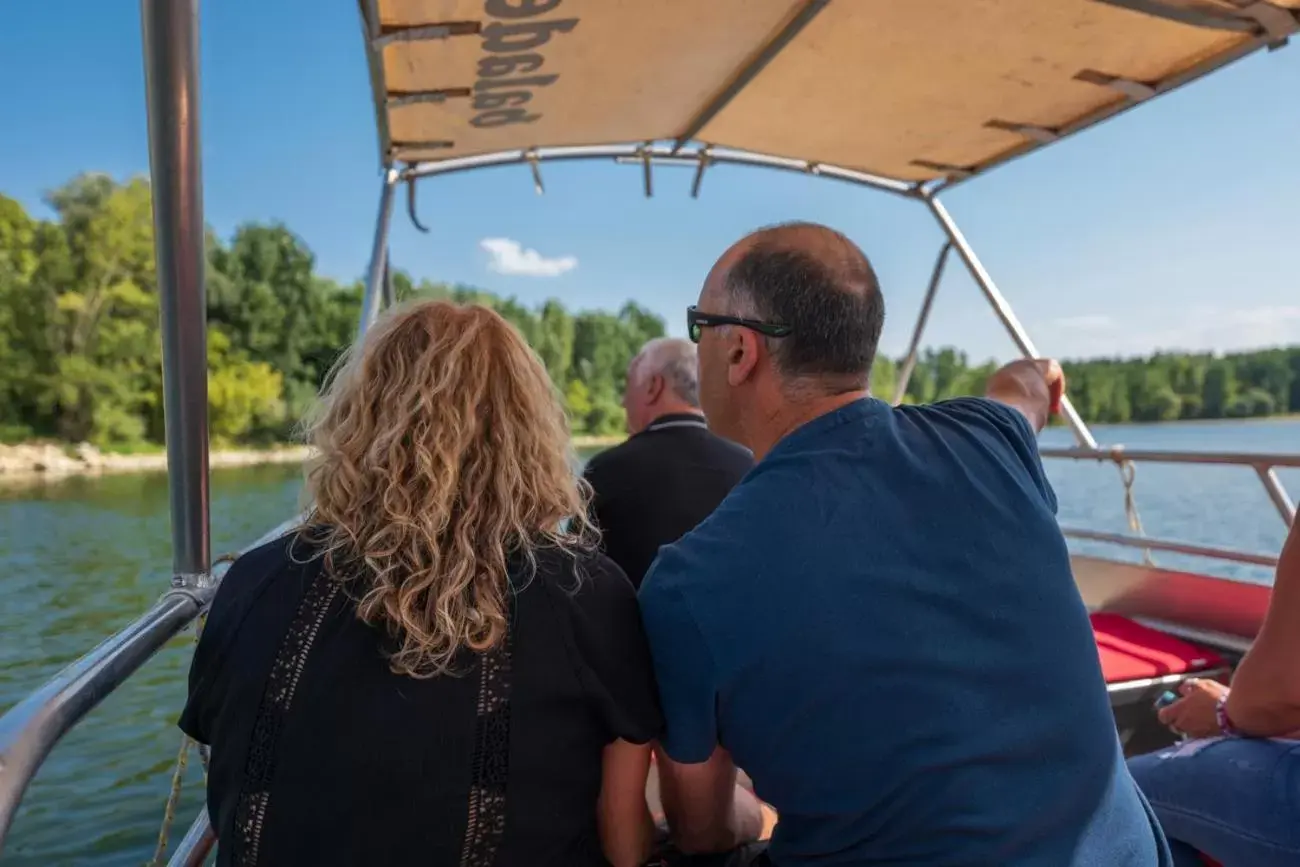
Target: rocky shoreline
<point>53,461</point>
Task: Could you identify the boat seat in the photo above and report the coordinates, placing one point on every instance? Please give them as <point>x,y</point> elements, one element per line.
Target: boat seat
<point>1138,657</point>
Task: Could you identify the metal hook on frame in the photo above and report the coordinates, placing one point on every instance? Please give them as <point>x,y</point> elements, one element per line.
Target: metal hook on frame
<point>643,153</point>
<point>535,165</point>
<point>410,206</point>
<point>703,160</point>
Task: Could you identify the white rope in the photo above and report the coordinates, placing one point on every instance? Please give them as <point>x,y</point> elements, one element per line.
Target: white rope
<point>1127,475</point>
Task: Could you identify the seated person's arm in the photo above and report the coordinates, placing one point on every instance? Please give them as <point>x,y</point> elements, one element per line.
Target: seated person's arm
<point>697,778</point>
<point>626,827</point>
<point>706,810</point>
<point>1032,386</point>
<point>613,664</point>
<point>1265,696</point>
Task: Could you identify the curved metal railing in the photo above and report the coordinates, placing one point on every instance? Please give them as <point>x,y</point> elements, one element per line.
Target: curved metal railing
<point>1265,466</point>
<point>31,728</point>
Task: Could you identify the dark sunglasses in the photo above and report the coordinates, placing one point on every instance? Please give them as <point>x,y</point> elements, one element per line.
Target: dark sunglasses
<point>695,321</point>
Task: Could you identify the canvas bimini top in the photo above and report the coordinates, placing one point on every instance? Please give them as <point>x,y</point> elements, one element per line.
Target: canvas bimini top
<point>910,90</point>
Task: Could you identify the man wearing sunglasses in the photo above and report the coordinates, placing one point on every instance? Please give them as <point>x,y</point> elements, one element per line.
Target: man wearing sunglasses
<point>879,624</point>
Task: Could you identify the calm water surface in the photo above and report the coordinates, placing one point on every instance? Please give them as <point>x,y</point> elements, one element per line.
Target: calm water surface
<point>80,558</point>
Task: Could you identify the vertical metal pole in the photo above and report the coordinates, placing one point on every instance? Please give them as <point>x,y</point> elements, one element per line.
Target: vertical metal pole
<point>171,60</point>
<point>378,254</point>
<point>909,362</point>
<point>390,291</point>
<point>1003,310</point>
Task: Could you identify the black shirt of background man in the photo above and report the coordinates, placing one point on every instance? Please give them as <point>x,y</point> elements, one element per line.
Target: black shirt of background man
<point>367,767</point>
<point>658,485</point>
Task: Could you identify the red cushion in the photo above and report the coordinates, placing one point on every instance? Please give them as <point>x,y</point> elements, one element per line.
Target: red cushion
<point>1131,651</point>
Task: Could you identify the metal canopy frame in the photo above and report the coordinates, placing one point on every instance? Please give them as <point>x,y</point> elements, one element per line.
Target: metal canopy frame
<point>701,158</point>
<point>29,730</point>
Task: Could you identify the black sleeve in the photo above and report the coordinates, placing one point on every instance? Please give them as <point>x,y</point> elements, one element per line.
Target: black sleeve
<point>242,583</point>
<point>200,705</point>
<point>613,657</point>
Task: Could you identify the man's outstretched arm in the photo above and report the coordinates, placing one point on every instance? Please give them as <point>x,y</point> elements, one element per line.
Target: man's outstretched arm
<point>1033,386</point>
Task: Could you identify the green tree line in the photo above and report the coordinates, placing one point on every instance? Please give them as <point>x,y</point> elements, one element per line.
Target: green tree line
<point>80,356</point>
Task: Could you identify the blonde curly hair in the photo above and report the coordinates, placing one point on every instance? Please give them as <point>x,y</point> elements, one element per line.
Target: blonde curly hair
<point>443,454</point>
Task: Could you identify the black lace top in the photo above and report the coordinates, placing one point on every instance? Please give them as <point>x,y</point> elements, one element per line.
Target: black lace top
<point>322,756</point>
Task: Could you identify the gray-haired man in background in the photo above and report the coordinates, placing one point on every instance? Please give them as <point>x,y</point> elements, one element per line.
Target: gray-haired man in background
<point>672,472</point>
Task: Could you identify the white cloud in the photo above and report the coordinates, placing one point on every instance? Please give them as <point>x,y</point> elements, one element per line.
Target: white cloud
<point>510,257</point>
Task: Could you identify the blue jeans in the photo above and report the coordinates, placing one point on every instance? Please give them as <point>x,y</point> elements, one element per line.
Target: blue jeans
<point>1234,799</point>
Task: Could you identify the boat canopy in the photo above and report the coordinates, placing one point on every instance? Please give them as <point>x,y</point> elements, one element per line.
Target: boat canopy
<point>909,90</point>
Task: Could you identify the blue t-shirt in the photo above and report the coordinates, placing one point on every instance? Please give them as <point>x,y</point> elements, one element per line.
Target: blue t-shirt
<point>880,624</point>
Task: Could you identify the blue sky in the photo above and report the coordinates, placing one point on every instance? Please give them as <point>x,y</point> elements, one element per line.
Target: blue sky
<point>1174,226</point>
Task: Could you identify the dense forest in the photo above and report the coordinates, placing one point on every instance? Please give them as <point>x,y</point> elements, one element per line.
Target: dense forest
<point>80,354</point>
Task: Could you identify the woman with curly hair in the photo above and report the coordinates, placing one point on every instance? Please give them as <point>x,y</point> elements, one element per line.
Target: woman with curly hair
<point>438,668</point>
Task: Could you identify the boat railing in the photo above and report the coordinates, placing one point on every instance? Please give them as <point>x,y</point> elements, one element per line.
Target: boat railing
<point>1264,465</point>
<point>196,845</point>
<point>32,727</point>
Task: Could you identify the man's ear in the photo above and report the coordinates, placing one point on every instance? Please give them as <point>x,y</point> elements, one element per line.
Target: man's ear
<point>654,387</point>
<point>743,351</point>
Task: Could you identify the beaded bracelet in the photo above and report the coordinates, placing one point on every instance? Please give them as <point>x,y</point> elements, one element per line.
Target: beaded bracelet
<point>1222,718</point>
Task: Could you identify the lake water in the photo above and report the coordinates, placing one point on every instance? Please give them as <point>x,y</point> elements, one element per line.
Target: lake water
<point>80,558</point>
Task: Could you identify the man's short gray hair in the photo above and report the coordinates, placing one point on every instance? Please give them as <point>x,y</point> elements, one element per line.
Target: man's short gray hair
<point>677,361</point>
<point>820,284</point>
